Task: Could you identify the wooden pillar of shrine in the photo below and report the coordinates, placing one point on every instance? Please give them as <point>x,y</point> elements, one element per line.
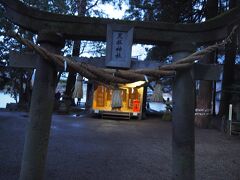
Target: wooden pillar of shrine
<point>89,96</point>
<point>38,125</point>
<point>183,138</point>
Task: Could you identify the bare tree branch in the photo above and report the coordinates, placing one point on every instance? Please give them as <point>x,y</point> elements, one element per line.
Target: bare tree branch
<point>90,7</point>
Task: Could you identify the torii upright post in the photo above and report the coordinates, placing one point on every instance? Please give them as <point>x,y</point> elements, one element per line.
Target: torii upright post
<point>183,138</point>
<point>38,126</point>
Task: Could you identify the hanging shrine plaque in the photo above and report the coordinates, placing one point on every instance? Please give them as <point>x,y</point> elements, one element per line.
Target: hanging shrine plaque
<point>119,46</point>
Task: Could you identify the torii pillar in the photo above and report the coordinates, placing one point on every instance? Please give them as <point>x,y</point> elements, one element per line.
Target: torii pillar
<point>38,126</point>
<point>183,137</point>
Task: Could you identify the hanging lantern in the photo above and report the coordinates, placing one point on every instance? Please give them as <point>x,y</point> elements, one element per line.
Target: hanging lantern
<point>33,77</point>
<point>157,93</point>
<point>78,90</point>
<point>24,86</point>
<point>117,98</point>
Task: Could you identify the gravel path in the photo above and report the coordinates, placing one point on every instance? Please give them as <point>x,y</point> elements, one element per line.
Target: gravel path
<point>87,148</point>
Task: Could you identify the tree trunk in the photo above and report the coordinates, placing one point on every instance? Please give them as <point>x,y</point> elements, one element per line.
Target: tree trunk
<point>25,81</point>
<point>72,75</point>
<point>204,98</point>
<point>228,76</point>
<point>69,87</point>
<point>82,4</point>
<point>21,90</point>
<point>228,73</point>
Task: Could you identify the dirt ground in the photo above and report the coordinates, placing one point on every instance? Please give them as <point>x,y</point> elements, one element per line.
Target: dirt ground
<point>87,148</point>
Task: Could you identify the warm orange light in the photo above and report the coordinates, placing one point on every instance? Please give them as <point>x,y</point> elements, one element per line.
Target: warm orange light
<point>131,98</point>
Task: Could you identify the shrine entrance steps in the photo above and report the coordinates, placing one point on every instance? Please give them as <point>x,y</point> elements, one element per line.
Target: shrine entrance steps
<point>116,115</point>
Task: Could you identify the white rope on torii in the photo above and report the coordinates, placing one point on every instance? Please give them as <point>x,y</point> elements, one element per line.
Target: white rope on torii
<point>110,76</point>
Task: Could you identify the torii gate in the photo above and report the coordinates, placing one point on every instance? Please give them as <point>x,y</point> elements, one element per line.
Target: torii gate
<point>53,29</point>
